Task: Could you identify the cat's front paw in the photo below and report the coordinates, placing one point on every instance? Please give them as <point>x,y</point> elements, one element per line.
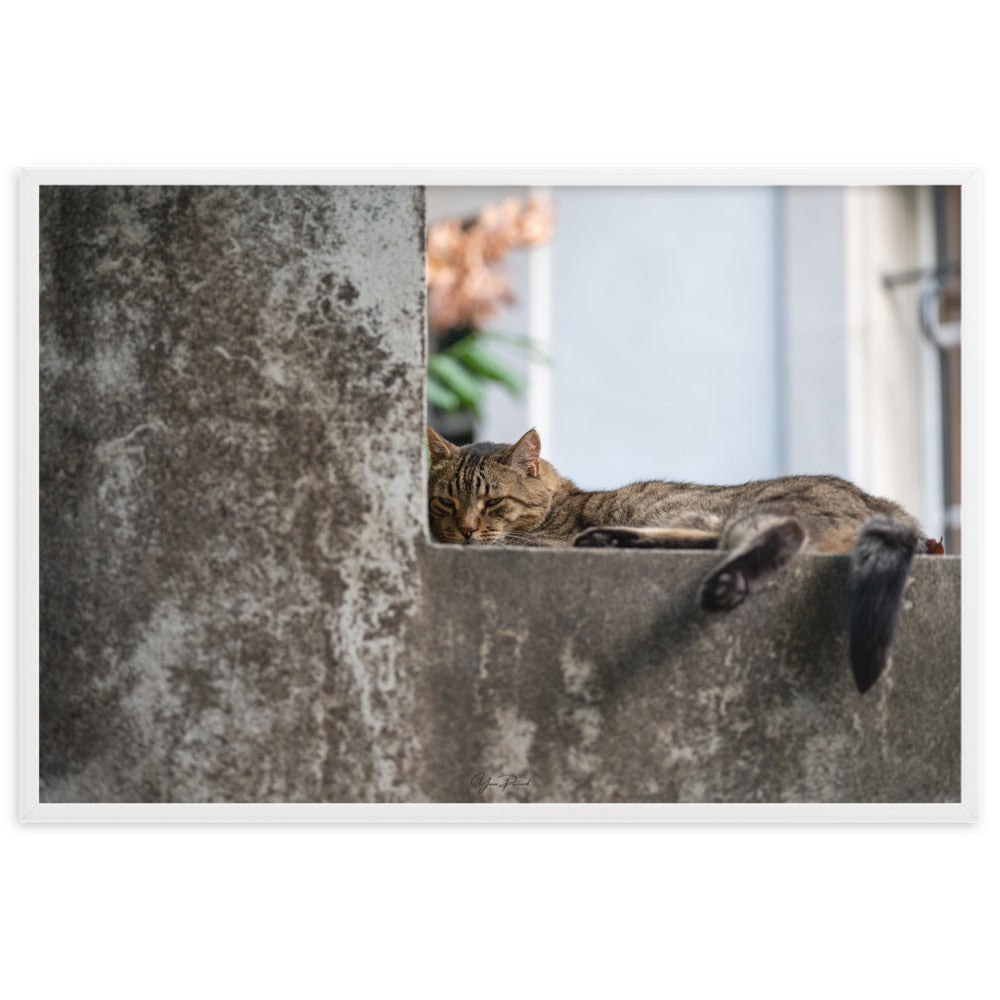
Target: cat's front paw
<point>607,538</point>
<point>723,590</point>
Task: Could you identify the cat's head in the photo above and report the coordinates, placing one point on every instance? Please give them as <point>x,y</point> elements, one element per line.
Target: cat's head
<point>484,494</point>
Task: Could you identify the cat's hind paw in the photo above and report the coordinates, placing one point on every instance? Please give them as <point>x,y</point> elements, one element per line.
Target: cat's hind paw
<point>723,590</point>
<point>608,538</point>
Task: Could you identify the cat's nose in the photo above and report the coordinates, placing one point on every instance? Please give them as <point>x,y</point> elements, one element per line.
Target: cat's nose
<point>466,530</point>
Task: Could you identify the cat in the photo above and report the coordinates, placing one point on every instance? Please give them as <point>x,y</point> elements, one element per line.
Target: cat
<point>500,494</point>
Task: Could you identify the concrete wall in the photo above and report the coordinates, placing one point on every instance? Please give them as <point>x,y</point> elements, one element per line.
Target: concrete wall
<point>239,603</point>
<point>666,356</point>
<point>815,418</point>
<point>890,442</point>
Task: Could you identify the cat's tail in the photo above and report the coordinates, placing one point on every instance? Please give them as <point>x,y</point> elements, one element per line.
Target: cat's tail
<point>880,563</point>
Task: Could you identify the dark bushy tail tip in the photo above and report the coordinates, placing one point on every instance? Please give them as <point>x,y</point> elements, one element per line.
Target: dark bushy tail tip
<point>880,564</point>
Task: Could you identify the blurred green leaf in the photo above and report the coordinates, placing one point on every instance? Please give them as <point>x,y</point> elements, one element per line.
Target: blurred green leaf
<point>450,371</point>
<point>457,375</point>
<point>441,396</point>
<point>531,347</point>
<point>474,356</point>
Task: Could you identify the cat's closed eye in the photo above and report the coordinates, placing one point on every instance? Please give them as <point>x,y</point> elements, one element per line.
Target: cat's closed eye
<point>494,501</point>
<point>446,502</point>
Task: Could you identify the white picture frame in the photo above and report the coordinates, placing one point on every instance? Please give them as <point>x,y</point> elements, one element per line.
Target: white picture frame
<point>32,810</point>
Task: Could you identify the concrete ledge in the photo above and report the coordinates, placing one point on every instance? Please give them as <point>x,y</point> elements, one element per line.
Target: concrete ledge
<point>239,602</point>
<point>597,676</point>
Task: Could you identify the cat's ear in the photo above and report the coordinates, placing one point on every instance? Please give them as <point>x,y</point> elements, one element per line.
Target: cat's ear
<point>523,456</point>
<point>439,448</point>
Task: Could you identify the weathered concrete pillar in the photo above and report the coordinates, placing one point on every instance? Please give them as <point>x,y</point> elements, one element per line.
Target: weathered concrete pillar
<point>231,379</point>
<point>239,602</point>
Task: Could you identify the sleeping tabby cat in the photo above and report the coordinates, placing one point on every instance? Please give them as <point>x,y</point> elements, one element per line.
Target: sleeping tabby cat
<point>496,494</point>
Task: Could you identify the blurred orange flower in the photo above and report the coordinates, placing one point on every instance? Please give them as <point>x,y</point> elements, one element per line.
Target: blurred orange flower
<point>464,290</point>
